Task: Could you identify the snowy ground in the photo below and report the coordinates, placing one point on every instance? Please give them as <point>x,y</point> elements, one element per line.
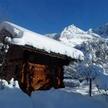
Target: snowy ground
<point>60,98</point>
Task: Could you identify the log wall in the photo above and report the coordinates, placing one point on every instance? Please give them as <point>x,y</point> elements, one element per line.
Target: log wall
<point>33,71</point>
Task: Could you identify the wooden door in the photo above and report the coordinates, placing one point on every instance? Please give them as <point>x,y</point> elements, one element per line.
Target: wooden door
<point>34,77</point>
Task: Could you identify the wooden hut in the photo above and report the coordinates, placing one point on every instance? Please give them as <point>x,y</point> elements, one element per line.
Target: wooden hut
<point>34,60</point>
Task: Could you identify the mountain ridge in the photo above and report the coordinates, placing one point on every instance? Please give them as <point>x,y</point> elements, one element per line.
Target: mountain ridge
<point>73,35</point>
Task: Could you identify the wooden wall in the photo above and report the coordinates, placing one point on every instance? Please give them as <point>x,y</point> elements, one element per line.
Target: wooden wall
<point>34,71</point>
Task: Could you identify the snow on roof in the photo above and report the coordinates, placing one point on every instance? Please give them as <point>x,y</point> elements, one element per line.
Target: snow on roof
<point>22,36</point>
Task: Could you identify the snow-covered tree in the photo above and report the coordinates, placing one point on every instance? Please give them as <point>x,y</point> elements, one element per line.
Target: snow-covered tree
<point>96,59</point>
<point>3,50</point>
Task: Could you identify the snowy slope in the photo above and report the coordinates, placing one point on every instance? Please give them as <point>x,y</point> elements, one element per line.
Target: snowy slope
<point>61,98</point>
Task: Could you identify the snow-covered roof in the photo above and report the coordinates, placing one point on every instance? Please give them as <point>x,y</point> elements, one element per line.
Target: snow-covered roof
<point>22,36</point>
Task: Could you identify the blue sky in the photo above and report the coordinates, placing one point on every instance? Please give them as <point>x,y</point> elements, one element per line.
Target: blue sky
<point>46,16</point>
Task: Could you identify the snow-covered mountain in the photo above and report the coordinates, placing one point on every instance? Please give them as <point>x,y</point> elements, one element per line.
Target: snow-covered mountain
<point>95,44</point>
<point>102,31</point>
<point>73,35</point>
